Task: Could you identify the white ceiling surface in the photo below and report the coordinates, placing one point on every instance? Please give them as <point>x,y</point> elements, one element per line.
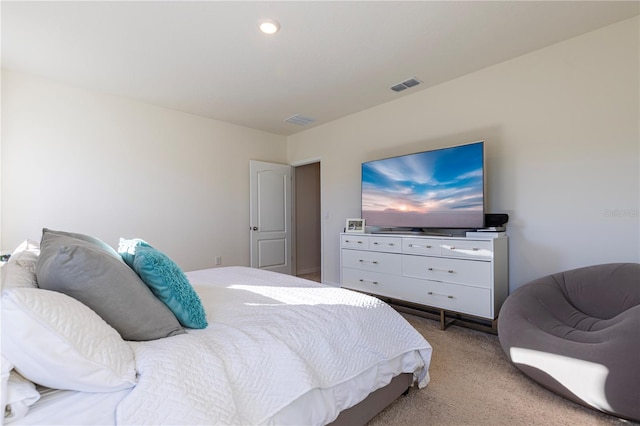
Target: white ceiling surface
<point>329,60</point>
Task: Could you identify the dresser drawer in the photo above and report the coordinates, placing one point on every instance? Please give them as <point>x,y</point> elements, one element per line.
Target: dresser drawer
<point>468,249</point>
<point>423,246</point>
<point>387,263</point>
<point>377,283</point>
<point>454,297</point>
<point>468,276</point>
<point>474,272</point>
<point>388,244</point>
<point>354,241</point>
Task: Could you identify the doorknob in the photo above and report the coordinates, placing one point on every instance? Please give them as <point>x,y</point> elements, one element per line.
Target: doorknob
<point>255,228</point>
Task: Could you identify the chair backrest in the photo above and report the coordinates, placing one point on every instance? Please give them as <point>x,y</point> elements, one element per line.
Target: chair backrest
<point>602,291</point>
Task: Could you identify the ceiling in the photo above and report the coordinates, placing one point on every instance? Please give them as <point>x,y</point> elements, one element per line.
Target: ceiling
<point>329,60</point>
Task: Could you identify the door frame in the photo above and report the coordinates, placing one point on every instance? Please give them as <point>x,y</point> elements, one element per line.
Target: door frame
<point>294,264</point>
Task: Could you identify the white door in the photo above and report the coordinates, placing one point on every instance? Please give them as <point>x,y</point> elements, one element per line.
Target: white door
<point>270,215</point>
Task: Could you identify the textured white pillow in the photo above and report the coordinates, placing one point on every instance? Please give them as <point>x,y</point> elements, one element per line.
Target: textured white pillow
<point>20,270</point>
<point>56,341</point>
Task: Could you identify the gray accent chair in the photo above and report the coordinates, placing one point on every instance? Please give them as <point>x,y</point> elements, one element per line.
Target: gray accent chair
<point>577,333</point>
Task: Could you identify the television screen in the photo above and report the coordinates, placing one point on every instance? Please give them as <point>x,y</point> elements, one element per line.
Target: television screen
<point>442,188</point>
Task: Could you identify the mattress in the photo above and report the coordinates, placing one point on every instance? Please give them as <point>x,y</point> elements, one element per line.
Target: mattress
<point>278,350</point>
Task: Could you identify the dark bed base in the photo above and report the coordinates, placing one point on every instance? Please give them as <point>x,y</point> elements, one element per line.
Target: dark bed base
<point>373,404</point>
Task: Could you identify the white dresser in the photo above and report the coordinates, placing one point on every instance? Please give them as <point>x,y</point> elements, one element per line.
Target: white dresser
<point>467,276</point>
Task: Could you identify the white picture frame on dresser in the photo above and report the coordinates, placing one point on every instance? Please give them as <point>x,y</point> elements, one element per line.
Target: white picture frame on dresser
<point>453,275</point>
<point>354,226</point>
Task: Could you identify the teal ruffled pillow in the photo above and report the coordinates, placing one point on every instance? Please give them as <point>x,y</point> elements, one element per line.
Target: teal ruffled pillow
<point>127,249</point>
<point>166,280</point>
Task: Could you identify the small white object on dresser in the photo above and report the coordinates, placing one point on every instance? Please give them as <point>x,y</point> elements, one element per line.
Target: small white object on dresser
<point>467,276</point>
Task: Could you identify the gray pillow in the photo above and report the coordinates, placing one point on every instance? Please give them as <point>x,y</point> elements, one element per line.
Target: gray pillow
<point>88,238</point>
<point>90,273</point>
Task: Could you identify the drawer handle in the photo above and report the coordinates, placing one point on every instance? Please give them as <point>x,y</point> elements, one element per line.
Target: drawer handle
<point>418,246</point>
<point>473,249</point>
<point>372,282</point>
<point>377,243</point>
<point>448,296</point>
<point>450,271</point>
<point>375,262</point>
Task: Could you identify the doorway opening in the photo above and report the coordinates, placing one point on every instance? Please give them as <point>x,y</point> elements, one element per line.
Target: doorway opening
<point>307,222</point>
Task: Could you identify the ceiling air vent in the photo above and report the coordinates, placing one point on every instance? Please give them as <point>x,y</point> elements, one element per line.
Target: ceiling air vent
<point>405,85</point>
<point>300,120</point>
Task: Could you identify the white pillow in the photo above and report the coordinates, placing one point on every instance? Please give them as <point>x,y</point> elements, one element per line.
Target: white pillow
<point>6,370</point>
<point>21,394</point>
<point>26,254</point>
<point>18,393</point>
<point>20,270</point>
<point>56,341</point>
<point>14,275</point>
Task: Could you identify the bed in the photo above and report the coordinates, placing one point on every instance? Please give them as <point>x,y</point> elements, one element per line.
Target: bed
<point>274,349</point>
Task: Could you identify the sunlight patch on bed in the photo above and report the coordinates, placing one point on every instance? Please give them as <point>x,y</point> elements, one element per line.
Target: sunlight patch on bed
<point>585,379</point>
<point>306,296</point>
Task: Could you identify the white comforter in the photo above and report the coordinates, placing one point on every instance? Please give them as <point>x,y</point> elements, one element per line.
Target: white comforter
<point>275,351</point>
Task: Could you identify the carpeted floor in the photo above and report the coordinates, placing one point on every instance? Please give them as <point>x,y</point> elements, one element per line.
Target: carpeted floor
<point>473,383</point>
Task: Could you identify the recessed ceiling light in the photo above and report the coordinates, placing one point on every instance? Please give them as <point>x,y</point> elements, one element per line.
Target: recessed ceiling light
<point>269,26</point>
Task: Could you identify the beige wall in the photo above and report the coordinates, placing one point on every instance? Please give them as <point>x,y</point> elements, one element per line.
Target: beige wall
<point>561,127</point>
<point>87,162</point>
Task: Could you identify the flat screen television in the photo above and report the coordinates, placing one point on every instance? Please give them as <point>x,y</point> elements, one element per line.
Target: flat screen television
<point>437,189</point>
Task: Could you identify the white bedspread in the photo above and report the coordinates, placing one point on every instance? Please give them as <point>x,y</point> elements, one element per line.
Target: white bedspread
<point>271,341</point>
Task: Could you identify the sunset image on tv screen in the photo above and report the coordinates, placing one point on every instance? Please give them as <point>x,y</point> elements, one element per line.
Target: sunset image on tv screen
<point>440,188</point>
